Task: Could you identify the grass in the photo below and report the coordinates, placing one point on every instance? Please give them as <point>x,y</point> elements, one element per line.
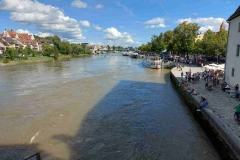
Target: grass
<point>38,59</point>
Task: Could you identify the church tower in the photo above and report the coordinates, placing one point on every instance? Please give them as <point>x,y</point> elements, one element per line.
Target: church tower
<point>223,26</point>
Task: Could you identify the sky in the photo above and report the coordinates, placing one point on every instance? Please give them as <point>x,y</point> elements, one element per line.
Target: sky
<point>111,22</point>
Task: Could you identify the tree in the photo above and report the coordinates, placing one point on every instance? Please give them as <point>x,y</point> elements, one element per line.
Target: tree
<point>214,44</point>
<point>114,47</point>
<point>168,39</point>
<point>11,53</point>
<point>76,49</point>
<point>108,48</point>
<point>184,37</point>
<point>222,37</point>
<point>47,49</point>
<point>65,48</point>
<point>120,48</point>
<point>154,42</point>
<point>160,43</point>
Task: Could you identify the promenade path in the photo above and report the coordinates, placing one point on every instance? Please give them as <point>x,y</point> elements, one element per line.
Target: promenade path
<point>218,101</point>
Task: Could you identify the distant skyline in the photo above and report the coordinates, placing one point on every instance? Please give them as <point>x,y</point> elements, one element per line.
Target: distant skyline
<point>104,22</point>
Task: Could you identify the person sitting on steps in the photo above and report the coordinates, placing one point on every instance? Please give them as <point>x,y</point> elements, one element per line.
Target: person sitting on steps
<point>203,104</point>
<point>193,92</point>
<point>226,88</point>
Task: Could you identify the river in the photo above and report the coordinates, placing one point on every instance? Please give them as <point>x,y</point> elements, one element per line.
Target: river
<point>96,108</point>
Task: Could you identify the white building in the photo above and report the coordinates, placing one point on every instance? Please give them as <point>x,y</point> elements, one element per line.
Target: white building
<point>232,67</point>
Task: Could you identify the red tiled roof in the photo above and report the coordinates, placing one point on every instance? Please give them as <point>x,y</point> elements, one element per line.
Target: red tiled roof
<point>20,35</point>
<point>27,42</point>
<point>24,36</point>
<point>11,33</point>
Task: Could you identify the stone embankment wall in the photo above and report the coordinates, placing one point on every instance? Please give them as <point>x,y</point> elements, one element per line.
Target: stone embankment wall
<point>225,141</point>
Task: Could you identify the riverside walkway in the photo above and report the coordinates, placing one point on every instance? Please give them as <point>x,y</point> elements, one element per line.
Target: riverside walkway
<point>218,101</point>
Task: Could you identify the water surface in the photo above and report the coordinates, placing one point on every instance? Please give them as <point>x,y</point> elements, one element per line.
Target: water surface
<point>96,108</point>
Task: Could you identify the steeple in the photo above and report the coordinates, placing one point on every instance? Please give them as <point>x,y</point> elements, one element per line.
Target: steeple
<point>223,26</point>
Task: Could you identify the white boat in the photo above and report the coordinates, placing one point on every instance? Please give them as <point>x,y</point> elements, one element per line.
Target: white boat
<point>125,54</point>
<point>154,62</point>
<point>134,55</point>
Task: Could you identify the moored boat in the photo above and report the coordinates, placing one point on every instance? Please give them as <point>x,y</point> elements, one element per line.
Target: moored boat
<point>125,54</point>
<point>154,62</point>
<point>134,55</point>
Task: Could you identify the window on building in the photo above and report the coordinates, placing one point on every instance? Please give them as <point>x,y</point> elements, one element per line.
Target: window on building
<point>238,50</point>
<point>232,72</point>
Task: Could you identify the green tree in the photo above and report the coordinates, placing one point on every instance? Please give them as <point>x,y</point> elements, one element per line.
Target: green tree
<point>11,53</point>
<point>65,48</point>
<point>214,44</point>
<point>160,43</point>
<point>47,49</point>
<point>168,39</point>
<point>184,37</point>
<point>77,49</point>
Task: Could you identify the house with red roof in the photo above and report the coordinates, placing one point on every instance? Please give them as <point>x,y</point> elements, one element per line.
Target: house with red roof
<point>20,40</point>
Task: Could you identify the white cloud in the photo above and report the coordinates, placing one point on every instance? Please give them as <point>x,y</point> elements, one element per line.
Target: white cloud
<point>79,4</point>
<point>23,31</point>
<point>155,23</point>
<point>41,34</point>
<point>97,27</point>
<point>206,23</point>
<point>115,37</point>
<point>99,6</point>
<point>45,18</point>
<point>85,23</point>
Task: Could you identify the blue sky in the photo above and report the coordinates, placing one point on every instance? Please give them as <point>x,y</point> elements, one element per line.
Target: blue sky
<point>105,22</point>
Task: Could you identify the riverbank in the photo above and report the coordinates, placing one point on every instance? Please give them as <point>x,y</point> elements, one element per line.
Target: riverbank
<point>40,59</point>
<point>217,119</point>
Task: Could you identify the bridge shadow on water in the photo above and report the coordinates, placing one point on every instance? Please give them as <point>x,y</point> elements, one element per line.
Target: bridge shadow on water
<point>133,121</point>
<point>123,125</point>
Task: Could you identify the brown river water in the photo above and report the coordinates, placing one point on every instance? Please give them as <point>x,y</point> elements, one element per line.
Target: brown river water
<point>96,108</point>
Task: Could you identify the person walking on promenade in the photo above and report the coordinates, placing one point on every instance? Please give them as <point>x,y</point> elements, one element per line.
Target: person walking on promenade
<point>237,113</point>
<point>181,74</point>
<point>236,88</point>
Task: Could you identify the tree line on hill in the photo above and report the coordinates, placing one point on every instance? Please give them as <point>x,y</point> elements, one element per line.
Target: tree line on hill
<point>182,40</point>
<point>53,47</point>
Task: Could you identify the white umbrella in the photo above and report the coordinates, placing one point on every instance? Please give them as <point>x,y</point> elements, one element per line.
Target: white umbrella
<point>213,64</point>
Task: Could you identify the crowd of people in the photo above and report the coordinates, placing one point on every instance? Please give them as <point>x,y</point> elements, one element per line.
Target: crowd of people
<point>213,78</point>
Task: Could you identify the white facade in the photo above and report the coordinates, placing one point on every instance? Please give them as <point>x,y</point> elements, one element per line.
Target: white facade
<point>233,53</point>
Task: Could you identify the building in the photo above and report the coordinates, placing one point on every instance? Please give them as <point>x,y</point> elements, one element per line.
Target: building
<point>93,48</point>
<point>223,26</point>
<point>232,66</point>
<point>17,40</point>
<point>201,35</point>
<point>2,48</point>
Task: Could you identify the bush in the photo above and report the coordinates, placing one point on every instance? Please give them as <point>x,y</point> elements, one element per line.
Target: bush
<point>25,58</point>
<point>6,60</point>
<point>1,57</point>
